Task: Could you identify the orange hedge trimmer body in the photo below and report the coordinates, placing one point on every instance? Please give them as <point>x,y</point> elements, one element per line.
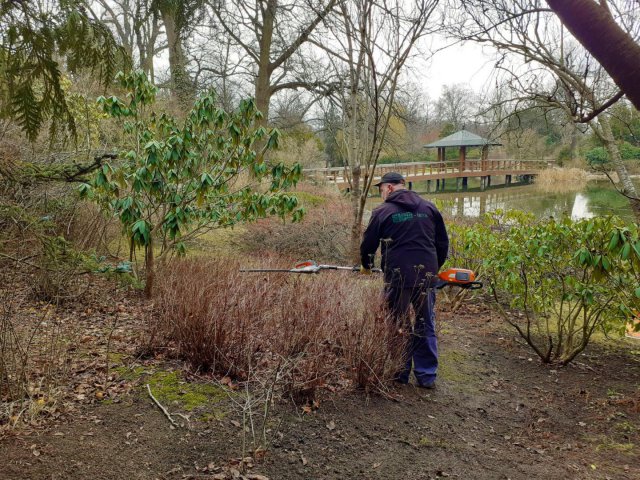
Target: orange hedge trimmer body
<point>458,277</point>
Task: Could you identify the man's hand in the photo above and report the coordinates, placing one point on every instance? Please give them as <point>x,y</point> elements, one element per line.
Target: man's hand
<point>365,271</point>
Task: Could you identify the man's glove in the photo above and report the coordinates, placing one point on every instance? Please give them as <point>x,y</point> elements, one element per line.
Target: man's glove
<point>365,271</point>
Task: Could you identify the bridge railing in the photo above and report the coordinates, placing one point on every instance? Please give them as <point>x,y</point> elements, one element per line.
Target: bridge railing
<point>414,169</point>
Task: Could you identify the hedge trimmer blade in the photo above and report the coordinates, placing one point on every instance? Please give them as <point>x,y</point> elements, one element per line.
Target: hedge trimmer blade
<point>458,277</point>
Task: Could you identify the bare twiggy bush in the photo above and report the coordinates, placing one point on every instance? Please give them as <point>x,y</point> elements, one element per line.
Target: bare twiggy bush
<point>328,329</point>
<point>562,179</point>
<point>323,234</point>
<point>88,228</point>
<point>33,362</point>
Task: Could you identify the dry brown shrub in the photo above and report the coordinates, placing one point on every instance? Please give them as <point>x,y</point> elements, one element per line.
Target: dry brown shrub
<point>562,179</point>
<point>328,329</point>
<point>322,235</point>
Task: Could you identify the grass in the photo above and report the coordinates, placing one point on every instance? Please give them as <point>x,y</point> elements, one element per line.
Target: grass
<point>561,180</point>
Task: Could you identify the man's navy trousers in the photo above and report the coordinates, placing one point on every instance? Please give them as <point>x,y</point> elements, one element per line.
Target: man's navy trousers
<point>421,345</point>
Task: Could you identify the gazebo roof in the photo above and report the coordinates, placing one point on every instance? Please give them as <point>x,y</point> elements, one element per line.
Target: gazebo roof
<point>463,138</point>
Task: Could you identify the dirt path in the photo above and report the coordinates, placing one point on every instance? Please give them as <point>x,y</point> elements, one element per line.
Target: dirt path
<point>496,414</point>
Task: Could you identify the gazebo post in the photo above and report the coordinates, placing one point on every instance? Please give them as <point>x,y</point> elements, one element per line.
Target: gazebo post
<point>484,156</point>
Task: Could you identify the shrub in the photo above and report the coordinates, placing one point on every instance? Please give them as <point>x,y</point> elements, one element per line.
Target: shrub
<point>629,152</point>
<point>323,329</point>
<point>597,156</point>
<point>323,233</point>
<point>556,282</point>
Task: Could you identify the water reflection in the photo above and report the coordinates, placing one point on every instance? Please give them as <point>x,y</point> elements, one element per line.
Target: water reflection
<point>581,207</point>
<point>527,198</point>
<point>599,198</point>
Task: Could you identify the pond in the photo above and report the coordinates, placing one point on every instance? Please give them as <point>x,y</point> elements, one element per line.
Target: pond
<point>597,198</point>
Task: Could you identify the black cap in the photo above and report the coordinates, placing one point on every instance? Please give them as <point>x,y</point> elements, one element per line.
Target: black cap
<point>391,177</point>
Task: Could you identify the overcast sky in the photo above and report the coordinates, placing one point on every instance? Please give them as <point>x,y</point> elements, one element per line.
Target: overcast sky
<point>469,64</point>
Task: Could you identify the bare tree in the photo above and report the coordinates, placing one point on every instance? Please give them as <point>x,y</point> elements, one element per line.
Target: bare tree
<point>615,47</point>
<point>543,66</point>
<point>137,27</point>
<point>269,35</point>
<point>455,105</point>
<point>370,45</point>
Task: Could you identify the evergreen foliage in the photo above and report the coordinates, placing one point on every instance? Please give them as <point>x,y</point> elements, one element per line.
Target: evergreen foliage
<point>180,179</point>
<point>35,43</point>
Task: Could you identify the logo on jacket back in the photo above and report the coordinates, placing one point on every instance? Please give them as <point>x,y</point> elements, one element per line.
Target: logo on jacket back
<point>406,216</point>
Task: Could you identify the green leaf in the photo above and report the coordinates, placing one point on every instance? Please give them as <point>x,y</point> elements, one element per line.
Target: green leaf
<point>615,237</point>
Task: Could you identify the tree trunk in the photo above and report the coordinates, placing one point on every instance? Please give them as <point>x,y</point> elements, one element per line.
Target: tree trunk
<point>356,227</point>
<point>628,188</point>
<point>263,80</point>
<point>594,27</point>
<point>149,268</point>
<point>181,86</point>
<point>573,146</point>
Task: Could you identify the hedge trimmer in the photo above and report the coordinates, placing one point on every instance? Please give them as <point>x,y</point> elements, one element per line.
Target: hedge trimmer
<point>458,277</point>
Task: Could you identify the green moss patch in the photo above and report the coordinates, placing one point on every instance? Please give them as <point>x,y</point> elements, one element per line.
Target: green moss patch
<point>176,393</point>
<point>170,389</point>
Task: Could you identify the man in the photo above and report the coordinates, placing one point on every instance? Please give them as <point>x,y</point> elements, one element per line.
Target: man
<point>414,246</point>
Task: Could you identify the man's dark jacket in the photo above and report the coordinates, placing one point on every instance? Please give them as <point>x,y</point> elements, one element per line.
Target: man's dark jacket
<point>413,239</point>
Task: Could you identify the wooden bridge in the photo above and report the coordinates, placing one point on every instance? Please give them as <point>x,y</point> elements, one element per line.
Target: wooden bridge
<point>438,172</point>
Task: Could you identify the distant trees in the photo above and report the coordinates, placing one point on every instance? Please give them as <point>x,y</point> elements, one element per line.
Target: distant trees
<point>137,27</point>
<point>542,68</point>
<point>268,37</point>
<point>456,106</point>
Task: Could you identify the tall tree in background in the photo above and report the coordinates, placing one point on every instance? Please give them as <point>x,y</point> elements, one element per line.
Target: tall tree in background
<point>616,49</point>
<point>543,67</point>
<point>179,17</point>
<point>456,105</point>
<point>137,26</point>
<point>369,48</point>
<point>270,34</point>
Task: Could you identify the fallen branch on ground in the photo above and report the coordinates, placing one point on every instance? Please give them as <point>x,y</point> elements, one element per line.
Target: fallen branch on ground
<point>164,410</point>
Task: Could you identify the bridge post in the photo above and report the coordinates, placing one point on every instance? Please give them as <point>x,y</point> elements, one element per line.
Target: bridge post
<point>429,186</point>
<point>483,183</point>
<point>410,185</point>
<point>507,179</point>
<point>465,181</point>
<point>458,181</point>
<point>488,180</point>
<point>442,185</point>
<point>437,185</point>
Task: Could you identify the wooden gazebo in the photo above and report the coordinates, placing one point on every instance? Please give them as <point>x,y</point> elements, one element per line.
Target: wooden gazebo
<point>462,140</point>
